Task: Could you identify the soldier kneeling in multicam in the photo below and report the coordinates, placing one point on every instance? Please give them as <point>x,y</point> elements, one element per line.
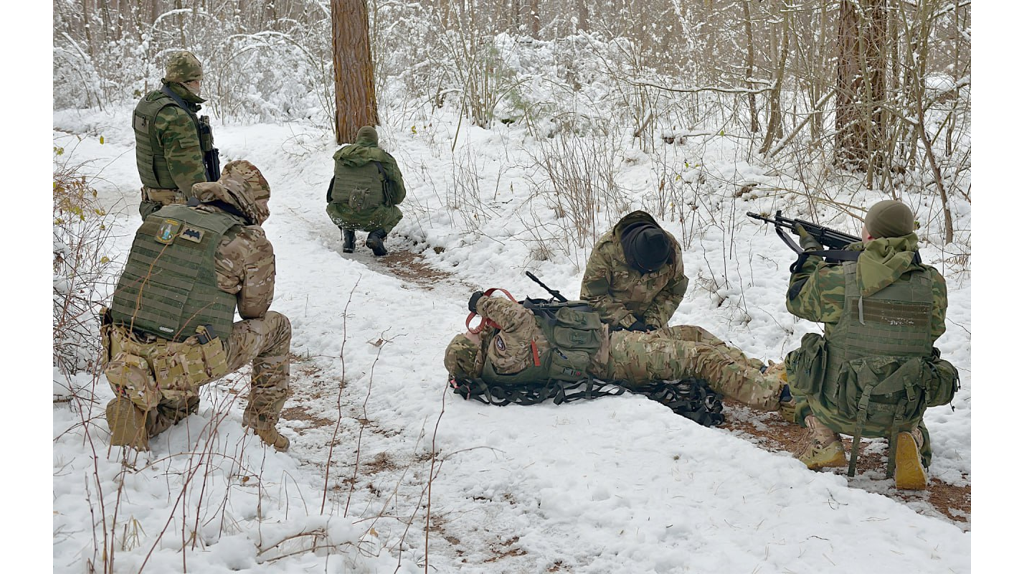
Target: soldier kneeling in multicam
<point>170,330</point>
<point>517,346</point>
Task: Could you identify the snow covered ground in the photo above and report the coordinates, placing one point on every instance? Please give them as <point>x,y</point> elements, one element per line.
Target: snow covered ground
<point>618,484</point>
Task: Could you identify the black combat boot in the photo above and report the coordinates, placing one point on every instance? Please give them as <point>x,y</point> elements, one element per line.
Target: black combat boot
<point>375,241</point>
<point>348,237</point>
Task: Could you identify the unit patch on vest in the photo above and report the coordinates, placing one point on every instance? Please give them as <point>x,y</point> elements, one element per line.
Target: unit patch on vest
<point>499,343</point>
<point>192,234</point>
<point>168,231</point>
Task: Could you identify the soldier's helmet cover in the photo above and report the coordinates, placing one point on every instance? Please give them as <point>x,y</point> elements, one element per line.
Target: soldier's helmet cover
<point>183,67</point>
<point>248,187</point>
<point>462,358</point>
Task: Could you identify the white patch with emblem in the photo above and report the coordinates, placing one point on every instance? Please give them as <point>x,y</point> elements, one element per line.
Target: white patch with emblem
<point>168,231</point>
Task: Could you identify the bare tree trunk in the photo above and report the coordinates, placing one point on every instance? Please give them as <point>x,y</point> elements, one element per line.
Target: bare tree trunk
<point>755,126</point>
<point>535,18</point>
<point>774,130</point>
<point>354,97</point>
<point>860,84</point>
<point>582,16</point>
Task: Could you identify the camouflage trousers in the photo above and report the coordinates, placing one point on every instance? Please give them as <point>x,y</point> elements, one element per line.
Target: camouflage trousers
<point>265,344</point>
<point>683,351</point>
<point>384,217</point>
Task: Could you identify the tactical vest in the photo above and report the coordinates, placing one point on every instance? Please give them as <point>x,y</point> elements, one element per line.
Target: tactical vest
<point>873,373</point>
<point>169,285</point>
<point>149,151</point>
<point>360,188</point>
<point>574,331</point>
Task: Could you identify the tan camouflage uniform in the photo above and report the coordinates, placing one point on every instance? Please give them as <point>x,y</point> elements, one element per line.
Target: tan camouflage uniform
<point>634,358</point>
<point>620,293</point>
<point>245,267</point>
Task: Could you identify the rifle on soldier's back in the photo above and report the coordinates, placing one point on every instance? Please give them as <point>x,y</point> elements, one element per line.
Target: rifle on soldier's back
<point>834,241</point>
<point>553,292</point>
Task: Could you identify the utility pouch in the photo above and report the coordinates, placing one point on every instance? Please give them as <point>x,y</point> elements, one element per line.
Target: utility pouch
<point>805,367</point>
<point>577,330</point>
<point>944,381</point>
<point>130,376</point>
<point>880,392</point>
<point>568,365</point>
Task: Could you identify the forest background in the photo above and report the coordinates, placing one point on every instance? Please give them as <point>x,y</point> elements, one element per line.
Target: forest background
<point>477,63</point>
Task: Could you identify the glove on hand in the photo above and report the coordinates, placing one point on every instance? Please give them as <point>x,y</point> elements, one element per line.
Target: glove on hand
<point>473,300</point>
<point>640,326</point>
<point>807,242</point>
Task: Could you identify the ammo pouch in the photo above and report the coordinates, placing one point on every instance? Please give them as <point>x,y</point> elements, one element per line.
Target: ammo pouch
<point>148,371</point>
<point>575,337</point>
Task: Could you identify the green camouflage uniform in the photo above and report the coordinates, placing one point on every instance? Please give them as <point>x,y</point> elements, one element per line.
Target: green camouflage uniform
<point>167,146</point>
<point>632,358</point>
<point>384,216</point>
<point>817,292</point>
<point>620,293</point>
<point>244,268</point>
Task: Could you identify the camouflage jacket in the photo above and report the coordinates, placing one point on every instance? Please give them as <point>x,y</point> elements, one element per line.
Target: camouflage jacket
<point>620,293</point>
<point>364,151</point>
<point>244,261</point>
<point>179,140</point>
<point>510,349</point>
<point>817,289</point>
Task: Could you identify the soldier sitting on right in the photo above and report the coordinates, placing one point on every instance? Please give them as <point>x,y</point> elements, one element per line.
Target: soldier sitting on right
<point>365,192</point>
<point>634,277</point>
<point>875,370</point>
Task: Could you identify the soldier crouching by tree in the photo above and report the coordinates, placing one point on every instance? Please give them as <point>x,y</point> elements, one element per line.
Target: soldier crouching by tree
<point>170,330</point>
<point>365,192</point>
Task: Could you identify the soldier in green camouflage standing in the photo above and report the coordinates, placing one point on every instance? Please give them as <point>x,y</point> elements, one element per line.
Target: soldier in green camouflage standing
<point>882,314</point>
<point>173,146</point>
<point>170,329</point>
<point>634,277</point>
<point>365,192</point>
<point>516,346</point>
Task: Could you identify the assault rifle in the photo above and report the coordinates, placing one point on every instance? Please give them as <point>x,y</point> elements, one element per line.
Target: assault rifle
<point>211,158</point>
<point>554,293</point>
<point>831,239</point>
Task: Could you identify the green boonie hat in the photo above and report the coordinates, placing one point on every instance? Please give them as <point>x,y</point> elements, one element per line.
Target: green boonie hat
<point>462,358</point>
<point>249,176</point>
<point>889,218</point>
<point>183,67</point>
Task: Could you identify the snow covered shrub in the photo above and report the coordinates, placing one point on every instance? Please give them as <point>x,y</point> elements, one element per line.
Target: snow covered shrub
<point>580,172</point>
<point>80,236</point>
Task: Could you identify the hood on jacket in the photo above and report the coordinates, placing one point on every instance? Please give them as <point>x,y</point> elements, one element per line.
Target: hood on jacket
<point>883,261</point>
<point>240,188</point>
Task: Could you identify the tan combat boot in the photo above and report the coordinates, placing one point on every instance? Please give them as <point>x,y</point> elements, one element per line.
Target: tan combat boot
<point>127,424</point>
<point>909,469</point>
<point>824,447</point>
<point>271,437</point>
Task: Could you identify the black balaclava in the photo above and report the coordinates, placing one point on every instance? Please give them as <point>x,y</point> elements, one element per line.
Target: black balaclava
<point>646,247</point>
